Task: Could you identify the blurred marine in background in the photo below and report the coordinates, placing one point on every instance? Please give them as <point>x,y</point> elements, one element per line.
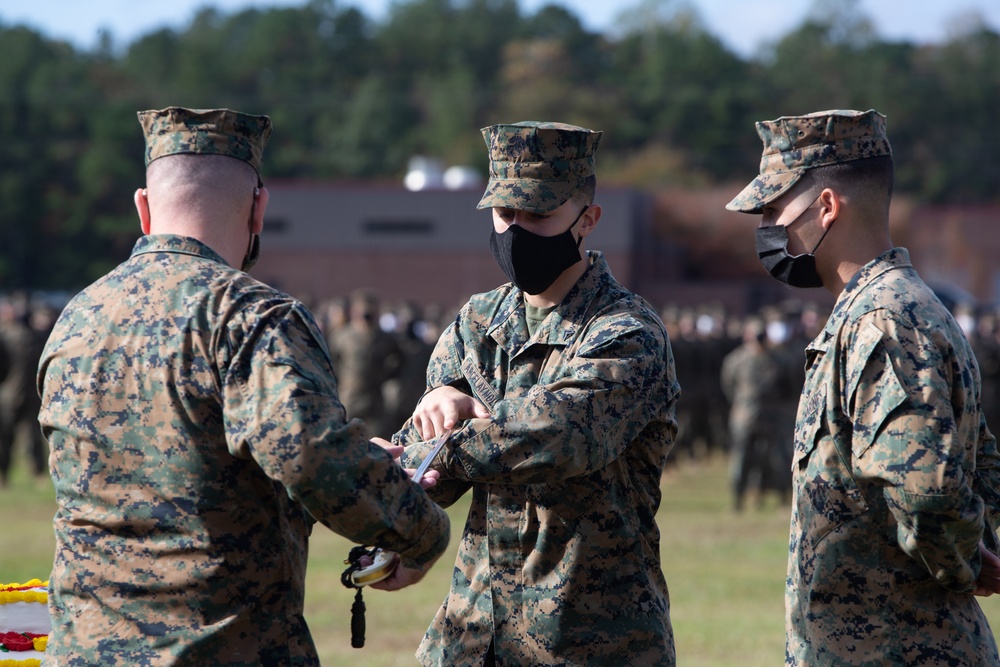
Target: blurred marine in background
<point>22,336</point>
<point>896,477</point>
<point>756,381</point>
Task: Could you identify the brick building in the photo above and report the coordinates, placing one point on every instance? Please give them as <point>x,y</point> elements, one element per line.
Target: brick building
<point>432,246</point>
<point>324,240</point>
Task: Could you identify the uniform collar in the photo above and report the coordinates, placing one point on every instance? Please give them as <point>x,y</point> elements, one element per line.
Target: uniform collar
<point>890,260</point>
<point>510,329</point>
<point>172,243</point>
<point>896,258</point>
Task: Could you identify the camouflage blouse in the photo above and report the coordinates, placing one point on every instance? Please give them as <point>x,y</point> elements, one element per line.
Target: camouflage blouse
<point>896,480</point>
<point>560,559</point>
<point>196,435</point>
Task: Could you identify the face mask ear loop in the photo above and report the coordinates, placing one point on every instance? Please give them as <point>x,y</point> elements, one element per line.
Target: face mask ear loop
<point>253,210</point>
<point>249,259</point>
<point>825,232</point>
<point>582,211</point>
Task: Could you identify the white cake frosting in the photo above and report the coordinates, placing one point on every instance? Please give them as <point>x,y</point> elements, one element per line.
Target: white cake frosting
<point>24,608</point>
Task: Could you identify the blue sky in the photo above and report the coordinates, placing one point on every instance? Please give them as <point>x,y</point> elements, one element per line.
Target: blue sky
<point>743,24</point>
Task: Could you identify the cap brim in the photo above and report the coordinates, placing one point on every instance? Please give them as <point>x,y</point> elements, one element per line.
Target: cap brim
<point>531,195</point>
<point>762,190</point>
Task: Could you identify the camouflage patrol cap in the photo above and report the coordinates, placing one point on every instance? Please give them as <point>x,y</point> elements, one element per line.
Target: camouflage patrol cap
<point>793,144</point>
<point>537,166</point>
<point>176,130</point>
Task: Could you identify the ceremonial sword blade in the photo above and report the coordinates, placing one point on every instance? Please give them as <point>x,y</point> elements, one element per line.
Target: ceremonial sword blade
<point>426,463</point>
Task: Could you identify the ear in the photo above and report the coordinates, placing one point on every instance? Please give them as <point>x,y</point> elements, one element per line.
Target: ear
<point>830,202</point>
<point>142,208</point>
<point>588,223</point>
<point>261,197</point>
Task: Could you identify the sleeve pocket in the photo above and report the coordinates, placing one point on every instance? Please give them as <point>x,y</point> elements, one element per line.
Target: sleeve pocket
<point>874,389</point>
<point>807,424</point>
<point>480,385</point>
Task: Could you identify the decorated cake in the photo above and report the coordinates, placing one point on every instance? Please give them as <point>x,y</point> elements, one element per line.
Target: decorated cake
<point>24,623</point>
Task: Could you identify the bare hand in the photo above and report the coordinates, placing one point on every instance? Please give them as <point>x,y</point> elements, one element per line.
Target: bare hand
<point>430,477</point>
<point>402,577</point>
<point>989,577</point>
<point>395,451</point>
<point>442,409</point>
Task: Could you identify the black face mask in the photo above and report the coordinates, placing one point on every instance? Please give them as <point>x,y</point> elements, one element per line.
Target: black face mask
<point>533,262</point>
<point>793,270</point>
<point>253,254</point>
<point>253,251</point>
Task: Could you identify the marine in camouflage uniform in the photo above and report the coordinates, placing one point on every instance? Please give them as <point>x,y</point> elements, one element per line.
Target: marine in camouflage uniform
<point>755,381</point>
<point>560,558</point>
<point>18,398</point>
<point>197,436</point>
<point>985,342</point>
<point>895,473</point>
<point>415,340</point>
<point>366,358</point>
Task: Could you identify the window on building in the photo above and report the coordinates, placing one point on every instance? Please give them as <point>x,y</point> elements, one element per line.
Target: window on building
<point>275,226</point>
<point>397,227</point>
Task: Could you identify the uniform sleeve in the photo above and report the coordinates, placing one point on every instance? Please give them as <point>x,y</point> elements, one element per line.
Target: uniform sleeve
<point>281,409</point>
<point>916,432</point>
<point>986,483</point>
<point>617,379</point>
<point>444,368</point>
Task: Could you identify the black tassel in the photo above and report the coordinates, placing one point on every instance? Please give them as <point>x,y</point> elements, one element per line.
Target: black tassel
<point>358,608</point>
<point>358,621</point>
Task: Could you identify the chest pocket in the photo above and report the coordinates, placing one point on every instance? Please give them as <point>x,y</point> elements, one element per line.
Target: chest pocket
<point>828,495</point>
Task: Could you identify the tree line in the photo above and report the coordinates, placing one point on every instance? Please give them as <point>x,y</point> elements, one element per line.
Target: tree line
<point>354,98</point>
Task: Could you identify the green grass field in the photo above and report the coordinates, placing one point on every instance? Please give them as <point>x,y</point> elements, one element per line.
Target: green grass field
<point>725,572</point>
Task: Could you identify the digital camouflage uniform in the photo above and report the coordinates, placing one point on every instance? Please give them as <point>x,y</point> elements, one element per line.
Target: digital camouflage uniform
<point>896,477</point>
<point>756,383</point>
<point>560,558</point>
<point>366,358</point>
<point>18,398</point>
<point>793,144</point>
<point>537,166</point>
<point>896,481</point>
<point>196,437</point>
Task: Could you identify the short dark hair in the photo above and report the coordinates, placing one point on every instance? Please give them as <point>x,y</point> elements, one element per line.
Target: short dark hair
<point>585,194</point>
<point>873,174</point>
